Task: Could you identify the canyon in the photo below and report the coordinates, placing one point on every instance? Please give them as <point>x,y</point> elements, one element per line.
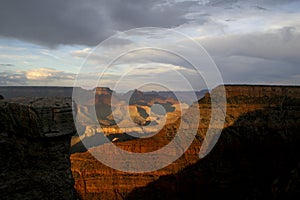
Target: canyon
<point>119,115</point>
<point>256,156</point>
<point>261,124</point>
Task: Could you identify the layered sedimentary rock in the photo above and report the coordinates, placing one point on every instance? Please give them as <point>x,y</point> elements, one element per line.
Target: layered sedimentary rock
<point>256,157</point>
<point>35,138</point>
<point>259,120</point>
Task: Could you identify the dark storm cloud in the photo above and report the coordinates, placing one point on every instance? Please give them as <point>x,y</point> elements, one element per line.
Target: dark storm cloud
<point>84,22</point>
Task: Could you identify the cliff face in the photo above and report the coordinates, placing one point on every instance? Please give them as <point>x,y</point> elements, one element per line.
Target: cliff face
<point>260,120</point>
<point>35,138</point>
<point>257,157</point>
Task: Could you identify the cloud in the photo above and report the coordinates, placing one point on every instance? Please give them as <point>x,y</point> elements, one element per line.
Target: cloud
<point>257,2</point>
<point>12,78</point>
<point>251,41</point>
<point>269,57</point>
<point>89,22</point>
<point>6,65</point>
<point>174,77</point>
<point>84,22</point>
<point>35,76</point>
<point>83,53</point>
<point>47,74</point>
<point>260,57</point>
<point>280,45</point>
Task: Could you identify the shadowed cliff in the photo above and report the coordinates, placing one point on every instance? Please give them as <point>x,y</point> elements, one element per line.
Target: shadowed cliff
<point>255,158</point>
<point>35,136</point>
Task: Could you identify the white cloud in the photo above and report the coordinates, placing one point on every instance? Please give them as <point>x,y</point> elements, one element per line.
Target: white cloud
<point>81,53</point>
<point>47,74</point>
<point>39,74</point>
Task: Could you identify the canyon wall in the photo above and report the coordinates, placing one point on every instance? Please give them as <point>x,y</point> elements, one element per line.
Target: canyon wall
<point>256,157</point>
<point>35,138</point>
<point>268,115</point>
<point>253,159</point>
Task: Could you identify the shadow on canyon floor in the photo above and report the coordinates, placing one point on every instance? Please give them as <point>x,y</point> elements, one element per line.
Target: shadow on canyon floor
<point>96,140</point>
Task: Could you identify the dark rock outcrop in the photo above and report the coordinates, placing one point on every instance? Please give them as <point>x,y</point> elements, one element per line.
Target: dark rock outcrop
<point>35,138</point>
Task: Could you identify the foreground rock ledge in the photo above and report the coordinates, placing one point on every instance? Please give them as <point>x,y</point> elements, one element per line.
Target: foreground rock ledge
<point>35,138</point>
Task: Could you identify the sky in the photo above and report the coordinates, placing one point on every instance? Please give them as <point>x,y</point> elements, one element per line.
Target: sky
<point>48,42</point>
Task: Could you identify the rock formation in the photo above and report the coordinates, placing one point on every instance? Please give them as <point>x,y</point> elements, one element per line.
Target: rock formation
<point>261,130</point>
<point>35,138</point>
<point>255,158</point>
<point>102,91</point>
